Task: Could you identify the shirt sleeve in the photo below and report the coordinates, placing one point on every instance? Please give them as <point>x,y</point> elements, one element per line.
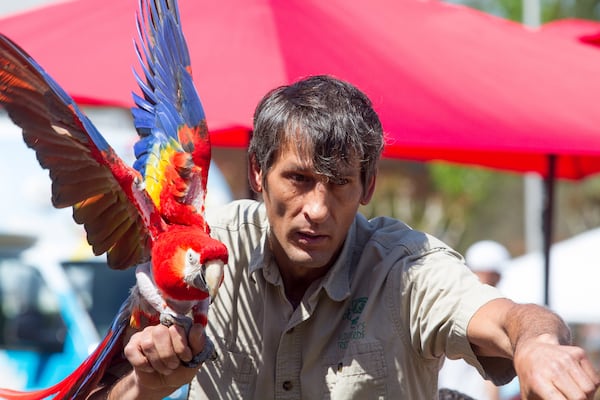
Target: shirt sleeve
<point>439,296</point>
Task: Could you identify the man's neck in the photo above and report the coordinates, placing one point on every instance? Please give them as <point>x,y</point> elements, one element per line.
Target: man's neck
<point>296,281</point>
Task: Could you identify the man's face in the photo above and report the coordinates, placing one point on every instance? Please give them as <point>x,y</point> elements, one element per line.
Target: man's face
<point>490,277</point>
<point>309,216</point>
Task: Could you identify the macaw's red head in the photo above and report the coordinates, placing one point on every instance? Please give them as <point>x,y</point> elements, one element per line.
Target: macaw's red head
<point>187,263</point>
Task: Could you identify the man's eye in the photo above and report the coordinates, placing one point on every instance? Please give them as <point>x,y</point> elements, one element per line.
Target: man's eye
<point>298,177</point>
<point>339,181</point>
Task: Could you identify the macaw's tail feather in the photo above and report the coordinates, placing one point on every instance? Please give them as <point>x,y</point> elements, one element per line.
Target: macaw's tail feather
<point>80,383</point>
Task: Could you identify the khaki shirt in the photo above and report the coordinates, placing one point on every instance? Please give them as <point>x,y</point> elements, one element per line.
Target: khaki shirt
<point>375,326</point>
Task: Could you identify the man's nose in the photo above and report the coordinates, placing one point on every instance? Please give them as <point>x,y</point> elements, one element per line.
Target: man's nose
<point>317,205</point>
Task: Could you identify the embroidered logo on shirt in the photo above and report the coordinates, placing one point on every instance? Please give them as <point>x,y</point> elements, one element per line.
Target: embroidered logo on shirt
<point>357,329</point>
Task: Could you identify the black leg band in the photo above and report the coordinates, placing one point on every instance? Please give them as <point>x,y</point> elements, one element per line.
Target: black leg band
<point>207,353</point>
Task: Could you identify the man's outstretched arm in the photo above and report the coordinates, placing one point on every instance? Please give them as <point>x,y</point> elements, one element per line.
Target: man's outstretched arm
<point>539,343</point>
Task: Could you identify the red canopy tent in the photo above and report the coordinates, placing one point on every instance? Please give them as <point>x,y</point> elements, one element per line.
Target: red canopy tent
<point>572,29</point>
<point>449,83</point>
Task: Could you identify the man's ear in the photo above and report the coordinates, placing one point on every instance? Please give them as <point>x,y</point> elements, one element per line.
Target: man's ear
<point>369,190</point>
<point>255,176</point>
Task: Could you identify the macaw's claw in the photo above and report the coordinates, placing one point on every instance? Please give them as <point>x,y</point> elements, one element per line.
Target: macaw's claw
<point>207,353</point>
<point>182,320</point>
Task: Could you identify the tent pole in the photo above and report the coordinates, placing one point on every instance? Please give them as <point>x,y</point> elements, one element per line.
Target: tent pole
<point>547,222</point>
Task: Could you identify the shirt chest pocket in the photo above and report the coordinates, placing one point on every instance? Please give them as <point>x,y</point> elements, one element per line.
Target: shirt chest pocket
<point>231,375</point>
<point>358,373</point>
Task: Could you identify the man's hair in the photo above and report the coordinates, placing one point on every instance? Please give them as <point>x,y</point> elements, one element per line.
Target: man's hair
<point>328,119</point>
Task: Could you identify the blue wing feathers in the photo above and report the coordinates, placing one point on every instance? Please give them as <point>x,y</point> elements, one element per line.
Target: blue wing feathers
<point>195,114</point>
<point>169,100</point>
<point>145,121</point>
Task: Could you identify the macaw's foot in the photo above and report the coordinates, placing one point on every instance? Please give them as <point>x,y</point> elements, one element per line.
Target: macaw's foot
<point>207,353</point>
<point>182,320</point>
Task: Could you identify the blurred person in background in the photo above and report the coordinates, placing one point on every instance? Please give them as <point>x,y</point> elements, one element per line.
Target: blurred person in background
<point>486,259</point>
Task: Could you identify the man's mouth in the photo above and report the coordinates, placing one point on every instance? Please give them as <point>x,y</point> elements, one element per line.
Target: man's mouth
<point>311,238</point>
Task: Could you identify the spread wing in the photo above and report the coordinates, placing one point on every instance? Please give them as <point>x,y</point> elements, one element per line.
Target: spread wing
<point>86,172</point>
<point>173,153</point>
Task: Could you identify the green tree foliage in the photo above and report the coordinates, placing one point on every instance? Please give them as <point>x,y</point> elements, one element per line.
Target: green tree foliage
<point>459,204</point>
<point>550,9</point>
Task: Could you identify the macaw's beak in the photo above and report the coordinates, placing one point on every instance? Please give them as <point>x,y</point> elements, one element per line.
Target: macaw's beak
<point>213,276</point>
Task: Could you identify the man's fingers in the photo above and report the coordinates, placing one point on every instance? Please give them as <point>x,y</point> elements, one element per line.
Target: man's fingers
<point>162,354</point>
<point>196,338</point>
<point>590,371</point>
<point>152,351</point>
<point>161,349</point>
<point>180,343</point>
<point>569,387</point>
<point>576,378</point>
<point>581,380</point>
<point>134,353</point>
<point>584,376</point>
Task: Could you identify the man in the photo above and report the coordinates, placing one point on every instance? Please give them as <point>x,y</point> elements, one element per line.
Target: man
<point>486,258</point>
<point>318,302</point>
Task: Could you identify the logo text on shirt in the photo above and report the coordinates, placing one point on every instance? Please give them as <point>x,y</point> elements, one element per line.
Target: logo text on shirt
<point>357,329</point>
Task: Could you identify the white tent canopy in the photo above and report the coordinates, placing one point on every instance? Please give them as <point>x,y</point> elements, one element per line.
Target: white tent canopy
<point>574,291</point>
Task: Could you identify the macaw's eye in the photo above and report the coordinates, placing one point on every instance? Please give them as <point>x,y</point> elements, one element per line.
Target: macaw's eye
<point>192,257</point>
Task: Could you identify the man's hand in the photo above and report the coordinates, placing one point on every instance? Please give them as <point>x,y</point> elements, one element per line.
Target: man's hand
<point>156,354</point>
<point>549,370</point>
<point>536,339</point>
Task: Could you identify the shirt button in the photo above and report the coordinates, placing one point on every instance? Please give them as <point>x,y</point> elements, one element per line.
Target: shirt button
<point>287,385</point>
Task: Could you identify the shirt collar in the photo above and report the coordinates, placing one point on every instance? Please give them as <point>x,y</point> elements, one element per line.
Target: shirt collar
<point>261,260</point>
<point>337,281</point>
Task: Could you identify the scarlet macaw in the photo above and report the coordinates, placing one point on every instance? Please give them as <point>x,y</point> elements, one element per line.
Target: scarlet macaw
<point>151,212</point>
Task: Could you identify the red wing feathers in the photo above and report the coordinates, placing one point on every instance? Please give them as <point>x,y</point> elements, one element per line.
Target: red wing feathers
<point>86,173</point>
<point>132,216</point>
